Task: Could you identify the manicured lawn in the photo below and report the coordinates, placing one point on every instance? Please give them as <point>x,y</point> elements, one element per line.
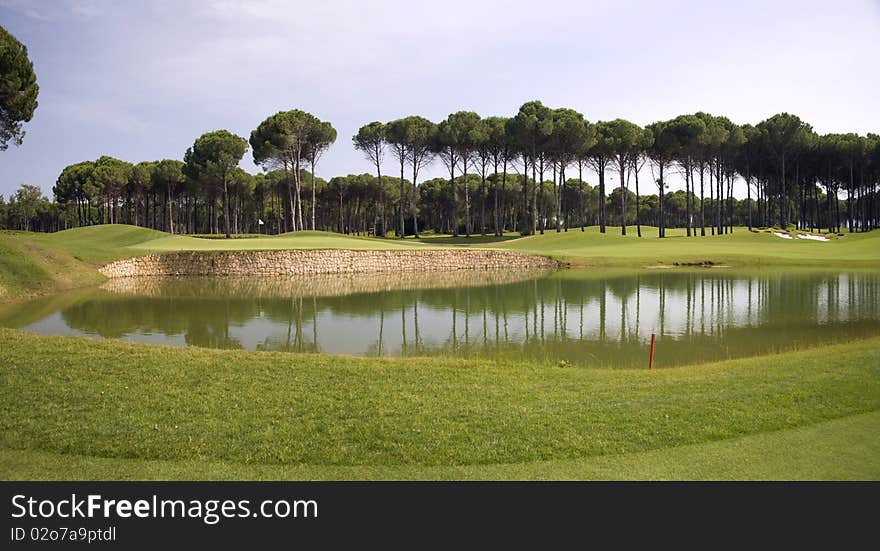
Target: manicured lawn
<point>842,449</point>
<point>463,241</point>
<point>28,267</point>
<point>120,409</point>
<point>82,408</point>
<point>742,248</point>
<point>298,240</point>
<point>32,263</point>
<point>38,263</point>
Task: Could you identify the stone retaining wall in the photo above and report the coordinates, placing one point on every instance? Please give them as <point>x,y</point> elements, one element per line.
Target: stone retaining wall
<point>326,261</point>
<point>315,285</point>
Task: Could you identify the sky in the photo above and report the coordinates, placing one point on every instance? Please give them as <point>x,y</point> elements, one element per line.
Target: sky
<point>142,80</point>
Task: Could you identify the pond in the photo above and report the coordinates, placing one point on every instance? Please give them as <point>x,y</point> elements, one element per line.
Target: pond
<point>586,318</point>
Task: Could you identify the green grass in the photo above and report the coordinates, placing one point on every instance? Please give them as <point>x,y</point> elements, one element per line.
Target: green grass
<point>463,241</point>
<point>742,248</point>
<point>122,410</point>
<point>33,264</point>
<point>29,267</point>
<point>298,240</point>
<point>842,449</point>
<point>73,407</point>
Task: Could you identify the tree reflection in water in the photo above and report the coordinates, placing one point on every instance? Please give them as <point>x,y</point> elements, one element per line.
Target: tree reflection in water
<point>573,316</point>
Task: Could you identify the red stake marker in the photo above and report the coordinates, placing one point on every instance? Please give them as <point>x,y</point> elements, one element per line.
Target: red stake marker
<point>651,361</point>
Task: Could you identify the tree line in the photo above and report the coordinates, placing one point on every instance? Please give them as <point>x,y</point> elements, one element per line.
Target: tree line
<point>523,173</point>
<point>794,175</point>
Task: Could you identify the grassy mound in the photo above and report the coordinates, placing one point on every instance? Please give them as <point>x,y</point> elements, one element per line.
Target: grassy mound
<point>98,245</point>
<point>38,263</point>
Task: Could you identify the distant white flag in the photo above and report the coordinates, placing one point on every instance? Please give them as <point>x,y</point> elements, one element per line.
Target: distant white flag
<point>261,221</point>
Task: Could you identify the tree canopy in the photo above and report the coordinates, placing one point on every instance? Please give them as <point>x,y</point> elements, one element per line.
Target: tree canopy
<point>18,89</point>
<point>212,157</point>
<point>512,172</point>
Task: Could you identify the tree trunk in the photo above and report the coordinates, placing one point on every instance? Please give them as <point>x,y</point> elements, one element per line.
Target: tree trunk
<point>601,199</point>
<point>687,196</point>
<point>749,199</point>
<point>782,205</point>
<point>382,195</point>
<point>402,194</point>
<point>454,194</point>
<point>561,201</point>
<point>226,205</point>
<point>622,198</point>
<point>661,227</point>
<point>290,220</point>
<point>581,195</point>
<point>525,194</point>
<point>849,205</point>
<point>638,216</point>
<point>341,227</point>
<point>503,191</point>
<point>170,216</point>
<point>415,200</point>
<point>719,205</point>
<point>712,190</point>
<point>534,197</point>
<point>467,196</point>
<point>298,180</point>
<point>495,199</point>
<point>730,201</point>
<point>483,198</point>
<point>314,203</point>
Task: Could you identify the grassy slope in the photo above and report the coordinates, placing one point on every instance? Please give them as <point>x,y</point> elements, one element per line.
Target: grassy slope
<point>36,263</point>
<point>317,416</point>
<point>28,267</point>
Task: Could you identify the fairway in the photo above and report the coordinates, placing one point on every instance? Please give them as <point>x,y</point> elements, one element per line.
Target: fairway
<point>299,240</point>
<point>168,412</point>
<point>33,263</point>
<point>741,248</point>
<point>831,450</point>
<point>318,416</point>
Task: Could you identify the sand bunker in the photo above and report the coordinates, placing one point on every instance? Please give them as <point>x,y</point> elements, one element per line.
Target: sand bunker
<point>812,237</point>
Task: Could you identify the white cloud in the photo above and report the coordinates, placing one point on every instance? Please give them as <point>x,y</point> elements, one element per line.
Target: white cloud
<point>59,9</point>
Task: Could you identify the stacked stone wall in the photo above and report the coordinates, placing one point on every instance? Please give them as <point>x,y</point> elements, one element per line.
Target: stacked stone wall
<point>325,261</point>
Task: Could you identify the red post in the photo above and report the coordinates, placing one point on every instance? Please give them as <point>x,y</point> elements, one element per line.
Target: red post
<point>651,361</point>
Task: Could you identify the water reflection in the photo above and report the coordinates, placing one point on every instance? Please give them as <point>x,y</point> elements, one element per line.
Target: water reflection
<point>569,315</point>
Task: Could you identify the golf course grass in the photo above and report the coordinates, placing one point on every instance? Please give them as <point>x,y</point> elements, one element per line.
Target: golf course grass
<point>741,248</point>
<point>166,411</point>
<point>34,264</point>
<point>91,409</point>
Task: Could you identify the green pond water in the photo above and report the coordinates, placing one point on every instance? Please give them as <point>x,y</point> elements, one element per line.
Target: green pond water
<point>581,317</point>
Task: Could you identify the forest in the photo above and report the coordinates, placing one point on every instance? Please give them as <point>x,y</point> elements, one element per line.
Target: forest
<point>540,170</point>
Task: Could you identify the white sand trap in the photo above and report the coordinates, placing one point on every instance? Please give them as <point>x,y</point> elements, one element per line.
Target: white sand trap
<point>782,235</point>
<point>813,237</point>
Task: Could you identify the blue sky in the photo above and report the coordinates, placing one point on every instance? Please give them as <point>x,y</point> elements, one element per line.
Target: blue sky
<point>141,80</point>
